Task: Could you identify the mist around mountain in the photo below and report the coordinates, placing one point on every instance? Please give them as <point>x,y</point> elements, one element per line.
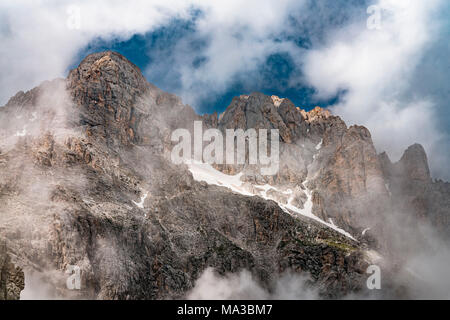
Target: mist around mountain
<point>86,180</point>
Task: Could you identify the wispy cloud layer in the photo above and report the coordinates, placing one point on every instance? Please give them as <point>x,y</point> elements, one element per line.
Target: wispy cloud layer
<point>377,68</point>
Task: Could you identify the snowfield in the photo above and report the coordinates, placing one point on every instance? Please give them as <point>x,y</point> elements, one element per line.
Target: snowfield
<point>140,204</point>
<point>205,172</point>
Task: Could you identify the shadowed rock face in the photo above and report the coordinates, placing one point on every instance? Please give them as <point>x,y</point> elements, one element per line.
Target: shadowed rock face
<point>414,164</point>
<point>11,277</point>
<point>410,183</point>
<point>86,179</point>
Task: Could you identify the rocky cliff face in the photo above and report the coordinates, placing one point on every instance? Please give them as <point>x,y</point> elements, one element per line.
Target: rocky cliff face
<point>86,180</point>
<point>11,277</point>
<point>409,180</point>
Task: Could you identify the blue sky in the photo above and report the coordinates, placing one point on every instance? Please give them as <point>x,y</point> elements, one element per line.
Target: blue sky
<point>393,79</point>
<point>271,76</point>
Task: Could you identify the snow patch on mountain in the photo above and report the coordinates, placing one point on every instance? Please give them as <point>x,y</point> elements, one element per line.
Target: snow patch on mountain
<point>205,172</point>
<point>319,145</point>
<point>307,212</point>
<point>140,204</point>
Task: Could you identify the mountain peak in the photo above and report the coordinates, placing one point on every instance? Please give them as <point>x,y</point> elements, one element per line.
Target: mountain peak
<point>111,67</point>
<point>315,114</point>
<point>107,87</point>
<point>415,163</point>
<point>104,57</point>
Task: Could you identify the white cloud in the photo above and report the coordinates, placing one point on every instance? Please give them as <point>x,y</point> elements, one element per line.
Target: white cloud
<point>240,36</point>
<point>243,286</point>
<point>376,67</point>
<point>40,38</point>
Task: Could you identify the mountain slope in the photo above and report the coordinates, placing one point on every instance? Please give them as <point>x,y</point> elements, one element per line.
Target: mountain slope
<point>86,180</point>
